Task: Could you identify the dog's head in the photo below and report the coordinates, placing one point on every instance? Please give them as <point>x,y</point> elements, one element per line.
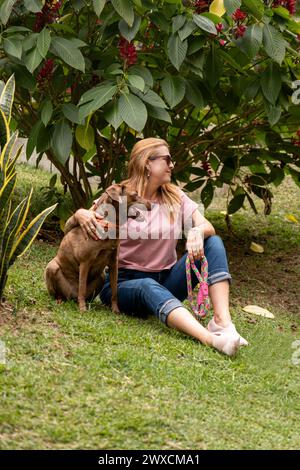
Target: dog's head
<point>121,194</point>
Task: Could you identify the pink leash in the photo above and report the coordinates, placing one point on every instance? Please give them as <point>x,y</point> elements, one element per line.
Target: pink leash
<point>203,304</point>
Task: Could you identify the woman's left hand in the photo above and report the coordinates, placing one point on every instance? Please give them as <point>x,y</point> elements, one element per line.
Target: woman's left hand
<point>195,242</point>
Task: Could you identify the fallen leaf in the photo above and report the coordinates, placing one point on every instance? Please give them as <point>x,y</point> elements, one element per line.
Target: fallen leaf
<point>258,311</point>
<point>256,248</point>
<point>292,218</point>
<point>225,213</point>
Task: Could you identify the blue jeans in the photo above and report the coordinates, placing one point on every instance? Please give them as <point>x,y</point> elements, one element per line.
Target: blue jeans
<point>141,293</point>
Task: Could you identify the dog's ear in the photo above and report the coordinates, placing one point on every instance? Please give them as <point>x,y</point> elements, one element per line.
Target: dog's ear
<point>114,192</point>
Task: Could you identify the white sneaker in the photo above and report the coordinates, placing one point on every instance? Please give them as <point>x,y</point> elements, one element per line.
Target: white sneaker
<point>213,327</point>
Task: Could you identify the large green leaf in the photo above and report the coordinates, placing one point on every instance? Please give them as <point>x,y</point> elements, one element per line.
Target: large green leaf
<point>112,114</point>
<point>13,46</point>
<point>159,113</point>
<point>62,141</point>
<point>173,89</point>
<point>274,43</point>
<point>98,6</point>
<point>133,111</point>
<point>142,72</point>
<point>66,50</point>
<point>177,50</point>
<point>187,30</point>
<point>207,193</point>
<point>256,7</point>
<point>43,42</point>
<point>213,67</point>
<point>33,5</point>
<point>227,57</point>
<point>33,60</point>
<point>251,41</point>
<point>71,112</point>
<point>151,97</point>
<point>32,139</point>
<point>85,136</point>
<point>125,9</point>
<point>236,203</point>
<point>95,99</point>
<point>46,113</point>
<point>129,32</point>
<point>6,9</point>
<point>205,24</point>
<point>232,5</point>
<point>137,82</point>
<point>271,82</point>
<point>178,22</point>
<point>273,113</point>
<point>194,94</point>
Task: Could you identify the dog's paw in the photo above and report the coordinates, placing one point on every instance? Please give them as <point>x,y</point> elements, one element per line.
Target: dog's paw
<point>115,309</point>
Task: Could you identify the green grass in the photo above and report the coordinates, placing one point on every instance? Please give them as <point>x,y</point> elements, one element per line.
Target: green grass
<point>97,380</point>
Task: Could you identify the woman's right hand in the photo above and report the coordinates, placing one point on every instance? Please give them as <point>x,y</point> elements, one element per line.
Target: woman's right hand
<point>88,220</point>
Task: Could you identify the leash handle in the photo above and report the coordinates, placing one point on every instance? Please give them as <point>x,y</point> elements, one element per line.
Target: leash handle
<point>201,309</point>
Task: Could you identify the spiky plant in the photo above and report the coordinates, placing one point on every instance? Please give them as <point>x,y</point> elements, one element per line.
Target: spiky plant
<point>15,238</point>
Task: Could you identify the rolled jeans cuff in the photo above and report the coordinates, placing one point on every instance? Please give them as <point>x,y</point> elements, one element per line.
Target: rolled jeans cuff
<point>217,277</point>
<point>167,308</point>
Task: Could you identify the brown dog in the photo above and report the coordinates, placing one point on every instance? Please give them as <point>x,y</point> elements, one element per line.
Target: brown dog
<point>77,271</point>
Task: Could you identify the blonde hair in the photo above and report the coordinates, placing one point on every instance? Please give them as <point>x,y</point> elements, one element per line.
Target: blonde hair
<point>137,174</point>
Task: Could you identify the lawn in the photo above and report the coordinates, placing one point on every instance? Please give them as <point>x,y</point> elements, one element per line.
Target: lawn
<point>96,380</point>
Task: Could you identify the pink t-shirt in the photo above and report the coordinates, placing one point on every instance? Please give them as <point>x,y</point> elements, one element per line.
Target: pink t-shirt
<point>151,245</point>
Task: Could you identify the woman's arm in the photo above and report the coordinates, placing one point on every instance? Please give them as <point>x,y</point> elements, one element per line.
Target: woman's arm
<point>200,221</point>
<point>200,230</point>
<point>87,219</point>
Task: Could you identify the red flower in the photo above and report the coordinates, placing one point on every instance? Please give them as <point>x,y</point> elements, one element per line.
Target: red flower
<point>219,27</point>
<point>239,15</point>
<point>48,14</point>
<point>45,73</point>
<point>295,142</point>
<point>201,6</point>
<point>222,42</point>
<point>127,51</point>
<point>240,31</point>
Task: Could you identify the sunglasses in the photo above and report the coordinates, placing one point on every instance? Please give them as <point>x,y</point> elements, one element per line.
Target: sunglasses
<point>167,159</point>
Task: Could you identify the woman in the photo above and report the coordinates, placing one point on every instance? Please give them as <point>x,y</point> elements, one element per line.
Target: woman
<point>150,279</point>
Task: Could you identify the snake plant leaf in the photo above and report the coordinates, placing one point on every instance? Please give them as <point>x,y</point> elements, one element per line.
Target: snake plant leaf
<point>4,129</point>
<point>7,97</point>
<point>14,224</point>
<point>7,150</point>
<point>23,243</point>
<point>11,163</point>
<point>7,189</point>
